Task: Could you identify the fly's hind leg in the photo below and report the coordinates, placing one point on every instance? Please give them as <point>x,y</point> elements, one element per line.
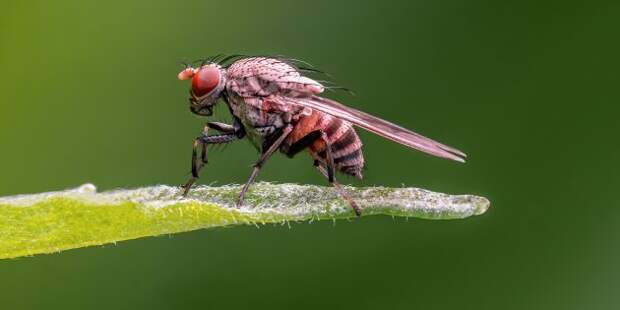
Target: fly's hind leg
<point>329,173</point>
<point>229,135</point>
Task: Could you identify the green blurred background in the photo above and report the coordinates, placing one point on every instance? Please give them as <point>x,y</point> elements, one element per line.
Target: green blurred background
<point>529,89</point>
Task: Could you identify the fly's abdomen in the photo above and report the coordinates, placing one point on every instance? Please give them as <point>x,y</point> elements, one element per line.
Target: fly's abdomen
<point>346,145</point>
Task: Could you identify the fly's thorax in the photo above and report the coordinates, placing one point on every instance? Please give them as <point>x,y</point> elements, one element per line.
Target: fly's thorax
<point>258,123</point>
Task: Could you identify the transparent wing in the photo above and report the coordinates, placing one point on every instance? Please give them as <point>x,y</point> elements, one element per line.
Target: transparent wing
<point>380,127</point>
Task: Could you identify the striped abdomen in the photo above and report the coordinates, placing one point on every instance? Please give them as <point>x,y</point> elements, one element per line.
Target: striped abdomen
<point>345,143</point>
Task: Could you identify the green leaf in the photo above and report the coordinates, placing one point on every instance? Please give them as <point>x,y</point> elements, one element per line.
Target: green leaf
<point>57,221</point>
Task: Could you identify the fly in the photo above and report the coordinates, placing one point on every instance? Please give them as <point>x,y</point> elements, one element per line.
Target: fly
<point>278,108</point>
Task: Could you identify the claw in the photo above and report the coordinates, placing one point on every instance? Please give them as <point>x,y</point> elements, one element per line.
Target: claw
<point>187,187</point>
<point>239,203</point>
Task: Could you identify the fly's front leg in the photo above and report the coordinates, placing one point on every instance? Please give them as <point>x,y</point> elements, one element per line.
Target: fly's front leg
<point>229,135</point>
<point>262,159</point>
<point>221,127</point>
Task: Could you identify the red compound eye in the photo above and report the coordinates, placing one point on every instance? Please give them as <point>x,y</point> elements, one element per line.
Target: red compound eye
<point>205,80</point>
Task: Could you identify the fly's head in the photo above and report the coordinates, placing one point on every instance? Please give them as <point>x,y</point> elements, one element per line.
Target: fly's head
<point>207,85</point>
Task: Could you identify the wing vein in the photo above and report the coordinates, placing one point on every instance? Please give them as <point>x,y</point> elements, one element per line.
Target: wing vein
<point>381,127</point>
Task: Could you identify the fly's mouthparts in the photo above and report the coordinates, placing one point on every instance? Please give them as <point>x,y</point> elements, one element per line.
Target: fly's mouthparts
<point>203,110</point>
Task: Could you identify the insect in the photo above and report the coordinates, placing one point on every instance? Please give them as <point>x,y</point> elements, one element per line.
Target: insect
<point>276,107</point>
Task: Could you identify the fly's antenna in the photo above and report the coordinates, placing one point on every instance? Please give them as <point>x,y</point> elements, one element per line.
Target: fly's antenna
<point>187,72</point>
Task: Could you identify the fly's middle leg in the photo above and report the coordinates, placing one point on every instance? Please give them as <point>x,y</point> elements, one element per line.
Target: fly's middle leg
<point>267,152</point>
